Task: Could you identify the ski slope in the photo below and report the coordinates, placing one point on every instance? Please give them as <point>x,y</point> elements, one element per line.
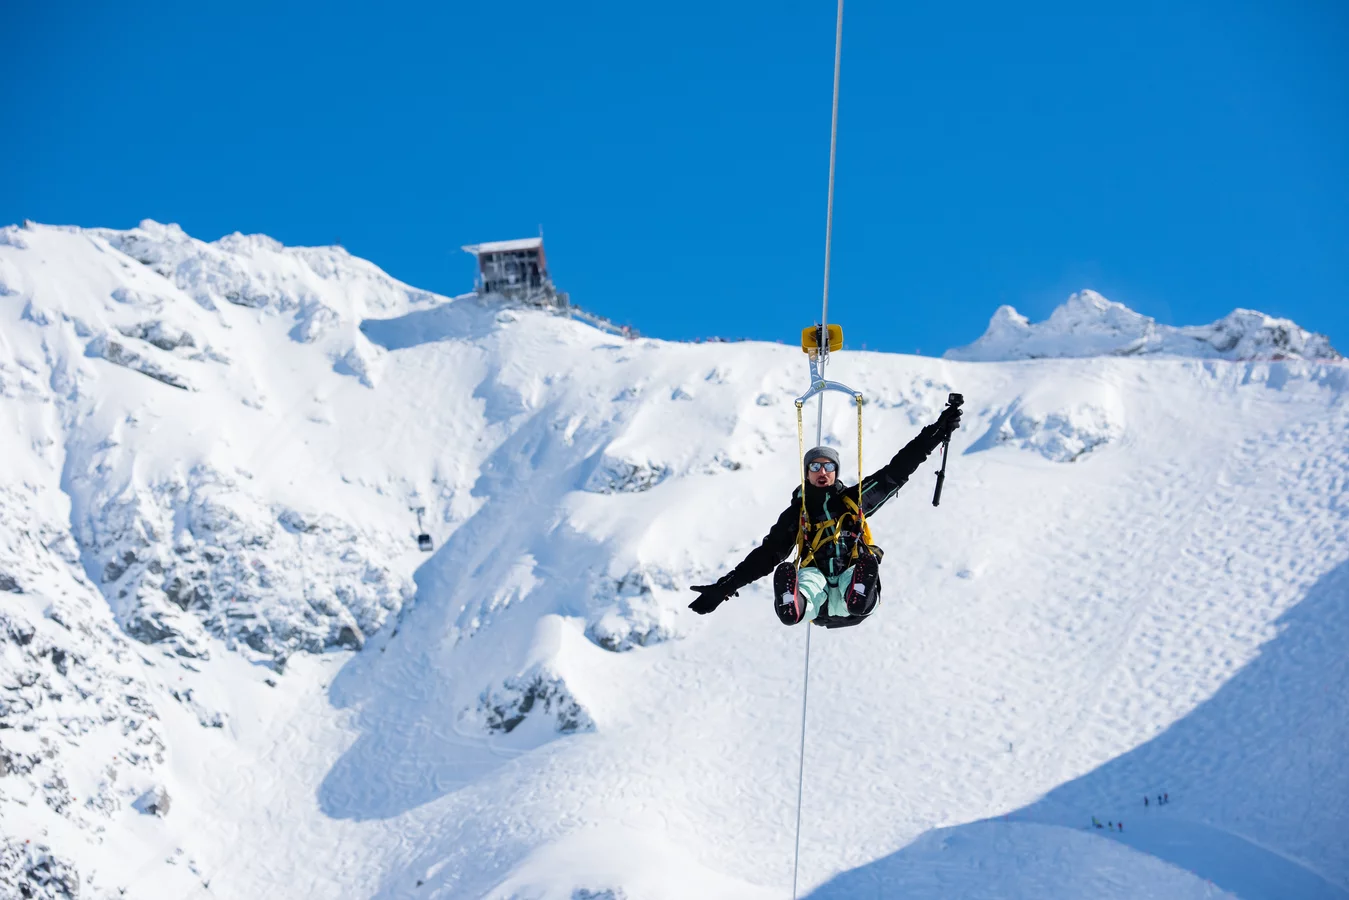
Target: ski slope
<point>1137,582</point>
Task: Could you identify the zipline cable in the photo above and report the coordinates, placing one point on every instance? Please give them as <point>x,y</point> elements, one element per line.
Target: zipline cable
<point>829,218</point>
<point>819,423</point>
<point>805,681</point>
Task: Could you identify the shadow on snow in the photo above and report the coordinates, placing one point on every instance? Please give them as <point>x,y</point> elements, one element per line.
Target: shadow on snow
<point>1264,756</point>
<point>462,319</point>
<point>461,635</point>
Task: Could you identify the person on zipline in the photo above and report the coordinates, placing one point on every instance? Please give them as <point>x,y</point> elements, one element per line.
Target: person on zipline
<point>838,581</point>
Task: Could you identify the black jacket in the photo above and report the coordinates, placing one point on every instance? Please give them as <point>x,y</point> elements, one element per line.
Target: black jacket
<point>823,504</point>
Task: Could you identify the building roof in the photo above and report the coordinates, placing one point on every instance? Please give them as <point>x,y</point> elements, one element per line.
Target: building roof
<point>534,243</point>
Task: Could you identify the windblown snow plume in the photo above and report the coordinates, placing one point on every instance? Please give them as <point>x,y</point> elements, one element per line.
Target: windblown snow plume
<point>227,670</point>
<point>1088,324</point>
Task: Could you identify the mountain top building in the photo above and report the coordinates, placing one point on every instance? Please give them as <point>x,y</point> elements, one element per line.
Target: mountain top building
<point>516,270</point>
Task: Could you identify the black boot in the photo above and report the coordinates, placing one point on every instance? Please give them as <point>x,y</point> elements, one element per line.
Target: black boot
<point>864,590</point>
<point>787,602</point>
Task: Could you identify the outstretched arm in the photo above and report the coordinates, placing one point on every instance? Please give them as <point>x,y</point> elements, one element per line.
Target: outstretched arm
<point>882,484</point>
<point>773,549</point>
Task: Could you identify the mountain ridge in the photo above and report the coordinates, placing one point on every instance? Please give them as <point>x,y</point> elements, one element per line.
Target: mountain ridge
<point>1087,324</point>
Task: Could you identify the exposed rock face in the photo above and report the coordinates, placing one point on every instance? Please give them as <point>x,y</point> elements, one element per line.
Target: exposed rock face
<point>617,476</point>
<point>157,333</point>
<point>1087,324</point>
<point>120,354</point>
<point>203,555</point>
<point>32,871</point>
<point>538,693</point>
<point>58,689</point>
<point>74,708</point>
<point>154,802</point>
<point>629,614</point>
<point>1247,334</point>
<point>195,549</point>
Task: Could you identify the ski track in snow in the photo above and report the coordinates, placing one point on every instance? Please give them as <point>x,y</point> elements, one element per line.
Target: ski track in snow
<point>1166,612</point>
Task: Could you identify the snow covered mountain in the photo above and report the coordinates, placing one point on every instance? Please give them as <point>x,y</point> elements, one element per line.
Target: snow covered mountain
<point>1087,324</point>
<point>226,670</point>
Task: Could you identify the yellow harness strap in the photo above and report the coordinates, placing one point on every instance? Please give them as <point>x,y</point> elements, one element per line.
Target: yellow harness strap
<point>824,532</point>
<point>809,539</point>
<point>803,523</point>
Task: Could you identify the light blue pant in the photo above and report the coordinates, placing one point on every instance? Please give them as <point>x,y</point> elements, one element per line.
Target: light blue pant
<point>817,590</point>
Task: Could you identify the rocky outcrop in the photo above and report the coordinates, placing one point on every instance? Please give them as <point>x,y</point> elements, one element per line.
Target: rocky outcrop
<point>620,476</point>
<point>154,802</point>
<point>537,693</point>
<point>120,353</point>
<point>182,559</point>
<point>33,872</point>
<point>60,685</point>
<point>628,614</point>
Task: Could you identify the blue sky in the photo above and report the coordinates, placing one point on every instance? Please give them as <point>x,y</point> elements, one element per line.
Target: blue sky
<point>1185,157</point>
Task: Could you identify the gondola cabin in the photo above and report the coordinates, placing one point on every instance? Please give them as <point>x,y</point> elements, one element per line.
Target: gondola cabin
<point>424,542</point>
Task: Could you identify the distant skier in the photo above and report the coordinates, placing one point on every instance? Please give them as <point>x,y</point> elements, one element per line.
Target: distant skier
<point>838,582</point>
<point>1166,798</point>
<point>1145,800</point>
<point>1096,823</point>
<point>1121,825</point>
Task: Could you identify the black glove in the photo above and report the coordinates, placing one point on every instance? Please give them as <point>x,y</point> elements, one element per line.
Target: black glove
<point>948,422</point>
<point>710,596</point>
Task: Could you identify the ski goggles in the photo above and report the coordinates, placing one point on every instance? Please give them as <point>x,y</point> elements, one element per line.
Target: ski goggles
<point>827,466</point>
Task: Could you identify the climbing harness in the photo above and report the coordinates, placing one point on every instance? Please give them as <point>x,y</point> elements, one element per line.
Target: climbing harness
<point>831,531</point>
